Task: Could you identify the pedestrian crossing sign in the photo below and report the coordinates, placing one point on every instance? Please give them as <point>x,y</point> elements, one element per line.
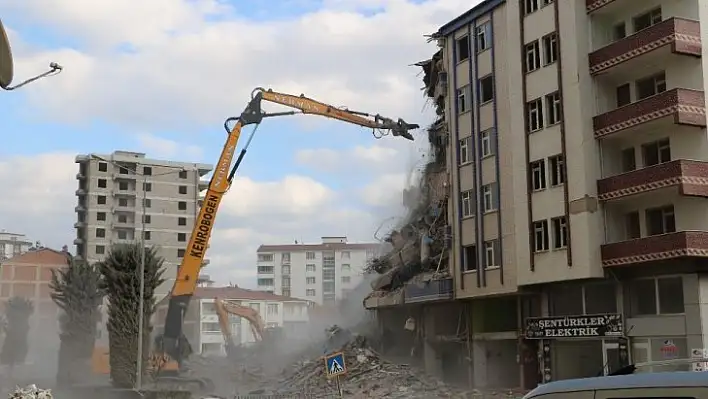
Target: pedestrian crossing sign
<point>334,364</point>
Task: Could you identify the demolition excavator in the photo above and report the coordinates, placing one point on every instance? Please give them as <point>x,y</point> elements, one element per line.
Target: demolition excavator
<point>172,345</point>
<point>260,331</point>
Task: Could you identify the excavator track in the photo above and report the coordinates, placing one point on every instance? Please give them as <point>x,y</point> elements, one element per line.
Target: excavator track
<point>178,384</point>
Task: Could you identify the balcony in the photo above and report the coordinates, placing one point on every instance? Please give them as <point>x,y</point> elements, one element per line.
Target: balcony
<point>676,106</point>
<point>655,248</point>
<point>79,225</point>
<point>80,208</point>
<point>691,178</point>
<point>80,176</point>
<point>672,36</point>
<point>432,290</point>
<point>80,191</point>
<point>78,241</point>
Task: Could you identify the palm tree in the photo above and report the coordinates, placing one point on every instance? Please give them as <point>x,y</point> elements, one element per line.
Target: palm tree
<point>18,311</point>
<point>121,282</point>
<point>77,292</point>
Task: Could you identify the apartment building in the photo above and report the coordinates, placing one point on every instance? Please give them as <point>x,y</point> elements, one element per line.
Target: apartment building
<point>124,196</point>
<point>13,244</point>
<point>201,324</point>
<point>576,132</point>
<point>321,273</point>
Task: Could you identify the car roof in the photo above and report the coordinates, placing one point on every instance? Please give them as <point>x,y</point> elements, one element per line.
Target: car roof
<point>641,380</point>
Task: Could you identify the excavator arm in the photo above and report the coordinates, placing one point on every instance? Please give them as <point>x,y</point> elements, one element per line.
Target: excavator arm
<point>224,308</point>
<point>188,272</point>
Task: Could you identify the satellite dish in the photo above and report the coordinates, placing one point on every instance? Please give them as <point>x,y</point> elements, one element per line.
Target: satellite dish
<point>7,70</point>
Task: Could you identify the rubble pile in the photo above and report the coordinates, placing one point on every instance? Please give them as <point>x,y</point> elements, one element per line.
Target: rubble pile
<point>368,376</point>
<point>31,392</point>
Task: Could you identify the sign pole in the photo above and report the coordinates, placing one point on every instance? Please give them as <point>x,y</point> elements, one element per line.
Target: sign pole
<point>339,387</point>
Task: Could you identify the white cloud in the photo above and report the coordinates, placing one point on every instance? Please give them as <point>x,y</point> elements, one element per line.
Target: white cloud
<point>386,190</point>
<point>159,147</point>
<point>185,67</point>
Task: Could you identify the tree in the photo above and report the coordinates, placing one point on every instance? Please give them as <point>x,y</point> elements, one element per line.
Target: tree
<point>121,283</point>
<point>18,311</point>
<point>77,292</point>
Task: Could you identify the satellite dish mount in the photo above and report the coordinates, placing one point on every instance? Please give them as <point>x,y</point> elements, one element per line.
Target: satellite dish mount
<point>7,68</point>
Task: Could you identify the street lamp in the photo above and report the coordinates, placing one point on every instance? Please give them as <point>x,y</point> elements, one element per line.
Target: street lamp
<point>141,302</point>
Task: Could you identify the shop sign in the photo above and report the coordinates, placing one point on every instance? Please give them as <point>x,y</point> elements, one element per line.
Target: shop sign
<point>604,325</point>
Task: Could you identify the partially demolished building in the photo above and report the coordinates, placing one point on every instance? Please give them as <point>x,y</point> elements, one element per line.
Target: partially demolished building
<point>562,216</point>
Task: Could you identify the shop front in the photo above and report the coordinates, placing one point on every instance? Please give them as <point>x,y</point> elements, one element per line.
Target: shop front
<point>578,346</point>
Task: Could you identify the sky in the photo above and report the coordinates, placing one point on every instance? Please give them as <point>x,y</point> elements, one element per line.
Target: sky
<point>162,77</point>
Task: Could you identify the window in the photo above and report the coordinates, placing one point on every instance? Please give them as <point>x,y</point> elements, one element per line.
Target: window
<point>310,293</point>
<point>122,234</point>
<point>623,94</point>
<point>467,198</point>
<point>328,274</point>
<point>101,216</point>
<point>286,277</point>
<point>557,170</point>
<point>147,202</point>
<point>100,249</point>
<point>147,186</point>
<point>101,233</point>
<point>285,257</point>
<point>629,161</point>
<point>182,174</point>
<point>102,167</point>
<point>632,229</point>
<point>530,6</point>
<point>272,309</point>
<point>534,110</point>
<point>183,189</point>
<point>101,200</point>
<point>489,197</point>
<point>662,295</point>
<point>182,205</point>
<point>550,48</point>
<point>486,139</point>
<point>346,279</point>
<point>656,153</point>
<point>619,31</point>
<point>310,280</point>
<point>268,282</point>
<point>463,48</point>
<point>647,19</point>
<point>123,170</point>
<point>660,220</point>
<point>465,150</point>
<point>491,254</point>
<point>540,236</point>
<point>547,2</point>
<point>123,186</point>
<point>462,104</point>
<point>147,219</point>
<point>553,108</point>
<point>483,36</point>
<point>102,183</point>
<point>346,267</point>
<point>180,253</point>
<point>147,235</point>
<point>286,292</point>
<point>285,270</point>
<point>310,268</point>
<point>181,221</point>
<point>147,171</point>
<point>533,56</point>
<point>122,202</point>
<point>470,259</point>
<point>560,232</point>
<point>538,174</point>
<point>181,237</point>
<point>486,89</point>
<point>649,86</point>
<point>265,257</point>
<point>345,255</point>
<point>309,255</point>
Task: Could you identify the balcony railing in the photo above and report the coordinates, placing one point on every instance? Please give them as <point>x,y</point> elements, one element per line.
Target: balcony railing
<point>683,35</point>
<point>686,106</point>
<point>433,290</point>
<point>690,176</point>
<point>655,248</point>
<point>594,5</point>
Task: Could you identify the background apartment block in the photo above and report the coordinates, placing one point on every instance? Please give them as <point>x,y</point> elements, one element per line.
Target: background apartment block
<point>13,244</point>
<point>321,273</point>
<point>123,193</point>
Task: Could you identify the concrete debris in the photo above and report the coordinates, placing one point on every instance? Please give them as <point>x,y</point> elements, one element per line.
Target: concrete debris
<point>31,392</point>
